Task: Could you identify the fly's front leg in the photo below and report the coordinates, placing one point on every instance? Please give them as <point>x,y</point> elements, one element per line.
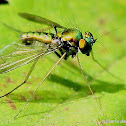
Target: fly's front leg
<point>55,32</point>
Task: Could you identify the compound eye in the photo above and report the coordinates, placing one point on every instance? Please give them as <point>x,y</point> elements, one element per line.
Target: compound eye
<point>82,43</point>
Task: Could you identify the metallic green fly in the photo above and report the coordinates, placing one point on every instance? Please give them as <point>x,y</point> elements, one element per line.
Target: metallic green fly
<point>36,44</point>
<point>33,45</point>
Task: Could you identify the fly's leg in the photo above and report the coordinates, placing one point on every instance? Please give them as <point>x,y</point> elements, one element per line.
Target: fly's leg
<point>29,73</point>
<point>57,54</point>
<point>55,30</point>
<point>41,83</point>
<point>88,85</point>
<point>104,67</point>
<point>61,51</point>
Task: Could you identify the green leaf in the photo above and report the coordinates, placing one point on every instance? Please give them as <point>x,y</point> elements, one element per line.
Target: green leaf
<point>64,98</point>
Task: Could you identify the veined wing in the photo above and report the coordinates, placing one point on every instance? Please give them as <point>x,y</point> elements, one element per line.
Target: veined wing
<point>40,20</point>
<point>16,55</point>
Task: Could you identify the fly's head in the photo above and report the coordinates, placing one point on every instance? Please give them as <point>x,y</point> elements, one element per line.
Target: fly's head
<point>89,38</point>
<point>85,45</point>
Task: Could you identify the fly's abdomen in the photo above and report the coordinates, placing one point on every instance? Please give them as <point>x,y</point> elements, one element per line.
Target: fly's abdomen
<point>29,37</point>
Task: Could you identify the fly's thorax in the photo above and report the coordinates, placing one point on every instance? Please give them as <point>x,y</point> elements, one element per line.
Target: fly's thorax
<point>71,35</point>
<point>69,41</point>
<point>29,37</point>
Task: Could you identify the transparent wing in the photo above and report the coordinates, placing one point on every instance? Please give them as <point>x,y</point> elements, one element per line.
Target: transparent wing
<point>16,55</point>
<point>40,20</point>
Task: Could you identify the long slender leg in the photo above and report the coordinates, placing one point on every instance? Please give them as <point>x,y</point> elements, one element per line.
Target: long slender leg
<point>104,67</point>
<point>81,70</point>
<point>55,30</point>
<point>57,54</point>
<point>29,73</point>
<point>41,83</point>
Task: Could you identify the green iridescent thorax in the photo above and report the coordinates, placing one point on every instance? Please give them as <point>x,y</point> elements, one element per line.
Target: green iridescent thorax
<point>78,35</point>
<point>72,35</point>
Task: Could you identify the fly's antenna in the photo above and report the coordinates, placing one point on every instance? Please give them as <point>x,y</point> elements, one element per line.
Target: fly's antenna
<point>104,67</point>
<point>103,46</point>
<point>9,27</point>
<point>105,35</point>
<point>108,32</point>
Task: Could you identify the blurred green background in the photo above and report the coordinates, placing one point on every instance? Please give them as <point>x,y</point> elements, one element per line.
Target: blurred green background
<point>64,99</point>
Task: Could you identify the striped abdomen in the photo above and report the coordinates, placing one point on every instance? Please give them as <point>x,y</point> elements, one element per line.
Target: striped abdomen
<point>29,37</point>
